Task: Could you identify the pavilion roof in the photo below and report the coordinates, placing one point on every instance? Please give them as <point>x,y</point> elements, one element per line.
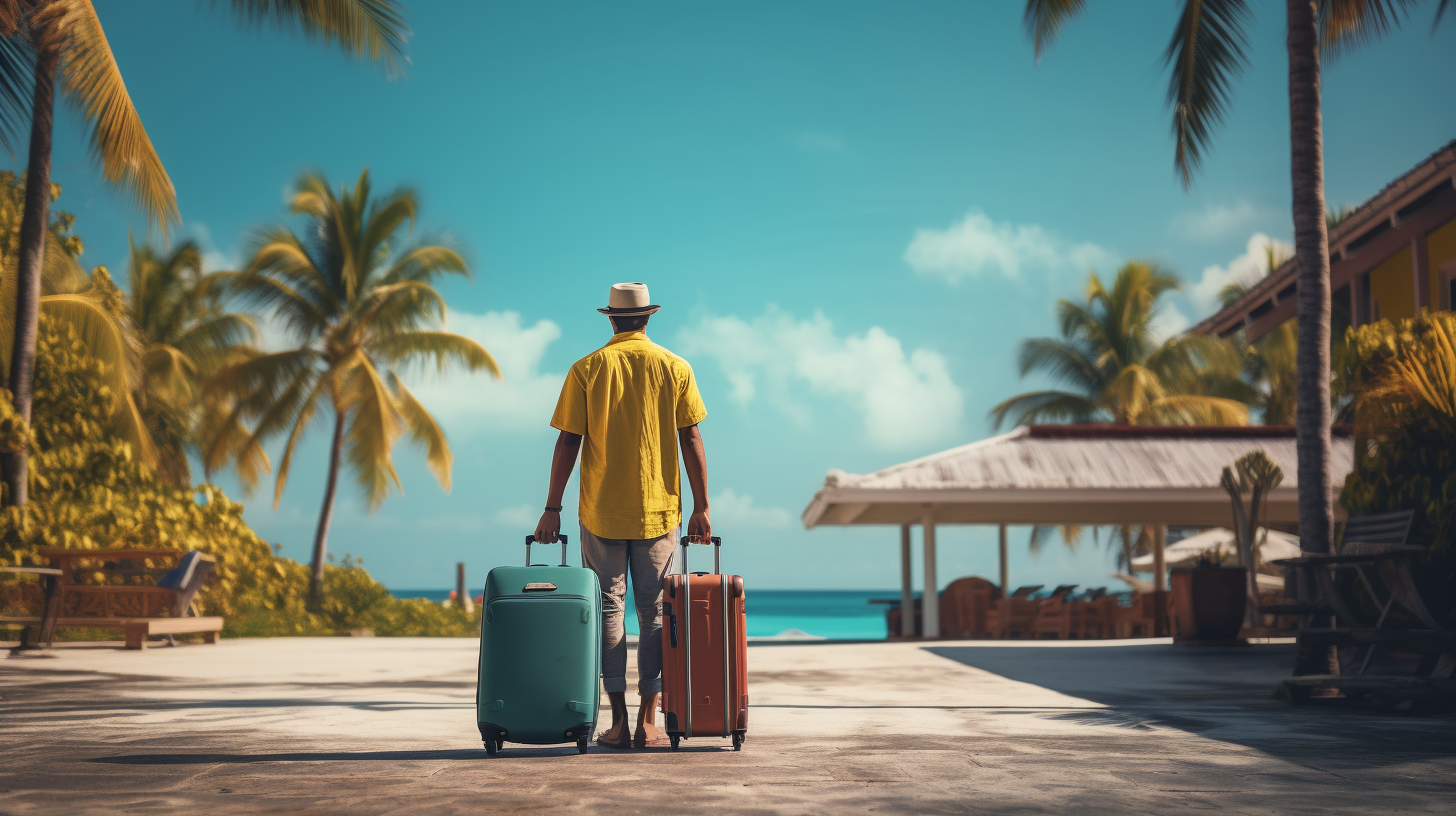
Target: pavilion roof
<point>1072,474</point>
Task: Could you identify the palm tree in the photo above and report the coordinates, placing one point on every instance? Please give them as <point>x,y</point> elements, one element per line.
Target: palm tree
<point>186,335</point>
<point>1116,370</point>
<point>45,41</point>
<point>1205,54</point>
<point>88,302</point>
<point>358,312</point>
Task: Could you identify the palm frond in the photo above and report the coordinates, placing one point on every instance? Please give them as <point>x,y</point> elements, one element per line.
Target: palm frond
<point>17,79</point>
<point>1060,360</point>
<point>211,338</point>
<point>168,374</point>
<point>375,424</point>
<point>92,84</point>
<point>1130,394</point>
<point>425,432</point>
<point>1195,409</point>
<point>1043,20</point>
<point>128,424</point>
<point>1045,406</point>
<point>369,28</point>
<point>106,339</point>
<point>302,417</point>
<point>442,348</point>
<point>1071,535</point>
<point>423,263</point>
<point>1348,24</point>
<point>399,306</point>
<point>1205,54</point>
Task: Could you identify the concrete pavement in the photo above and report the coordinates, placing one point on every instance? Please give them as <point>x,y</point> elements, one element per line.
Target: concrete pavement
<point>384,725</point>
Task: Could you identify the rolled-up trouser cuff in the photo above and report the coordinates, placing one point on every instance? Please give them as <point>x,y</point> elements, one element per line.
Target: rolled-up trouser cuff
<point>647,688</point>
<point>614,684</point>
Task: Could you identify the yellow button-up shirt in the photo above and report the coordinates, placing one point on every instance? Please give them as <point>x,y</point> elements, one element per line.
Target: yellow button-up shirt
<point>627,400</point>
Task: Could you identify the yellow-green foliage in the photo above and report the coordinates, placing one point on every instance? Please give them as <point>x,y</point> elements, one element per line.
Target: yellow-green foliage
<point>1403,378</point>
<point>89,491</point>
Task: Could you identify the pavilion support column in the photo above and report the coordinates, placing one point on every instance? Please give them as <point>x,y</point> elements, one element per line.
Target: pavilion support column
<point>1160,579</point>
<point>907,592</point>
<point>929,597</point>
<point>1005,570</point>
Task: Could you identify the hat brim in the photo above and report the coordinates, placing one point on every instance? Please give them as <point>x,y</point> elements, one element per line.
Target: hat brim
<point>640,310</point>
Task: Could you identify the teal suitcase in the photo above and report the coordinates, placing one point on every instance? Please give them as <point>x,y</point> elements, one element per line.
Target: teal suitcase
<point>540,655</point>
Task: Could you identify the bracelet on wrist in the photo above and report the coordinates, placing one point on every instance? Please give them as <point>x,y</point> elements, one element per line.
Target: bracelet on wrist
<point>551,509</point>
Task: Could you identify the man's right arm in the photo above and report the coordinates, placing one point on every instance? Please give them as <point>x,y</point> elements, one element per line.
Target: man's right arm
<point>563,460</point>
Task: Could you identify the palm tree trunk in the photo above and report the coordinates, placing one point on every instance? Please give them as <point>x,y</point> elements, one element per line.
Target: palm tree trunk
<point>32,253</point>
<point>1312,258</point>
<point>326,514</point>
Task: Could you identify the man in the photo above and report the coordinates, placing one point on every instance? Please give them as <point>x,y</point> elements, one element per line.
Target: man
<point>626,407</point>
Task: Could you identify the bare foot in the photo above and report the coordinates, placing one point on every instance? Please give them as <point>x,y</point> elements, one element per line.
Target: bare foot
<point>617,736</point>
<point>648,734</point>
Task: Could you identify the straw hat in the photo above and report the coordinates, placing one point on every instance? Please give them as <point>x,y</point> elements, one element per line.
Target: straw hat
<point>627,299</point>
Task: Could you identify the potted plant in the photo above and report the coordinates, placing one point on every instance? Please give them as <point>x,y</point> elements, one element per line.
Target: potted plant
<point>1208,601</point>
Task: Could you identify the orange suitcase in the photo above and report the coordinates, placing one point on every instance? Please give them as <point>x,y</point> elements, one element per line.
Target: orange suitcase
<point>704,653</point>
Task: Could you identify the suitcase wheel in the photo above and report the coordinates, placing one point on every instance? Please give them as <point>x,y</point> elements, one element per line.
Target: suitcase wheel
<point>675,739</point>
<point>581,745</point>
<point>737,741</point>
<point>491,747</point>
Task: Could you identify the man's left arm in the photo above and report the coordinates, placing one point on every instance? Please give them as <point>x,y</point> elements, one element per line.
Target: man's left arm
<point>695,461</point>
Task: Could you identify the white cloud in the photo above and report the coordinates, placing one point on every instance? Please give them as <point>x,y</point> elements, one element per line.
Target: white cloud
<point>1247,269</point>
<point>521,517</point>
<point>731,510</point>
<point>213,258</point>
<point>1217,221</point>
<point>976,245</point>
<point>1168,322</point>
<point>819,142</point>
<point>905,400</point>
<point>524,396</point>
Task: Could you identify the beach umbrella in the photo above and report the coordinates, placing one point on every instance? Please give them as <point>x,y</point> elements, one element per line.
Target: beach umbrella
<point>1185,553</point>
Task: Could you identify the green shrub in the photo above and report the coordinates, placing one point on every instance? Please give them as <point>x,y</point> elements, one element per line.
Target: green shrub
<point>89,491</point>
<point>1403,376</point>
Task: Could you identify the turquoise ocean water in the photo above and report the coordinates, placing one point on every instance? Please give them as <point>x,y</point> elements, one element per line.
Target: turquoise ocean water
<point>834,614</point>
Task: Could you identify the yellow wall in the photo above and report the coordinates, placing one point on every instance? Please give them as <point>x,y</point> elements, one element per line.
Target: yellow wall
<point>1391,287</point>
<point>1440,248</point>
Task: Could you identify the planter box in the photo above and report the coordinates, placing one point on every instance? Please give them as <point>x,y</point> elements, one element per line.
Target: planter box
<point>1208,606</point>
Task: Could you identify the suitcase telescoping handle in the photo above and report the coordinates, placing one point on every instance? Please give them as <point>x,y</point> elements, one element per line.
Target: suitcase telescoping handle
<point>687,630</point>
<point>717,552</point>
<point>530,539</point>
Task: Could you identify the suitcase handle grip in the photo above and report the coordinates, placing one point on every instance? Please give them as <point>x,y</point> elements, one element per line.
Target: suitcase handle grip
<point>531,539</point>
<point>717,543</point>
<point>671,624</point>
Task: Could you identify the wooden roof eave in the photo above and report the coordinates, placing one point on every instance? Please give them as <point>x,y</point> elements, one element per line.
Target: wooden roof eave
<point>1190,506</point>
<point>1436,172</point>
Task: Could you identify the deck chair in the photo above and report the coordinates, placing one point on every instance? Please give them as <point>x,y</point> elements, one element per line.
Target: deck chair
<point>1054,615</point>
<point>187,578</point>
<point>1016,615</point>
<point>965,608</point>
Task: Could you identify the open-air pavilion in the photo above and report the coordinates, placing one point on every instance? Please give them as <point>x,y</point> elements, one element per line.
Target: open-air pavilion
<point>1065,474</point>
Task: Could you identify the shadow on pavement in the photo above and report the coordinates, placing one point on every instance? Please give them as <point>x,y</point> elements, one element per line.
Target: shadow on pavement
<point>479,755</point>
<point>1222,694</point>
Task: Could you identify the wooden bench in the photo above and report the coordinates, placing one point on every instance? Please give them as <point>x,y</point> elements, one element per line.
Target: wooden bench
<point>134,630</point>
<point>140,592</point>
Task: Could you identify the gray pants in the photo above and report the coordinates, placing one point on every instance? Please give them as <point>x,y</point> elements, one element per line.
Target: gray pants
<point>647,559</point>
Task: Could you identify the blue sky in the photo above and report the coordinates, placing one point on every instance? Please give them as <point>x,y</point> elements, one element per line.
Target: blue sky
<point>851,213</point>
